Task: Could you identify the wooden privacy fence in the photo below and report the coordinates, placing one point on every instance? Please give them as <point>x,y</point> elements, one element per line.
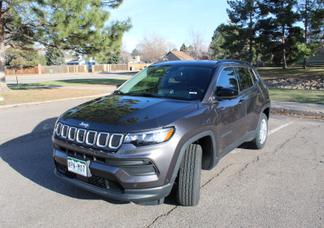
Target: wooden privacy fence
<point>119,67</point>
<point>62,69</point>
<point>30,70</point>
<point>137,66</point>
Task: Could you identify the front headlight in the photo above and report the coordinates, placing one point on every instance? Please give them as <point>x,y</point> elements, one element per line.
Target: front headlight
<point>150,137</point>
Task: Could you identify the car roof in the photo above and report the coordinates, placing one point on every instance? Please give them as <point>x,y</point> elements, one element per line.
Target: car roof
<point>206,63</point>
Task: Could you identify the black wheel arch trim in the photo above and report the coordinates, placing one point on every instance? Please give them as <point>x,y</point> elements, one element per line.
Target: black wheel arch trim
<point>262,111</point>
<point>214,155</point>
<point>268,105</point>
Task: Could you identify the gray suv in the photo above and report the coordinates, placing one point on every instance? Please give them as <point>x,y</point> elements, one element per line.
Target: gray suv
<point>159,129</point>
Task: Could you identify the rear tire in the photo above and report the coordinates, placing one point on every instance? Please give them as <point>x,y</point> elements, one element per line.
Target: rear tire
<point>261,133</point>
<point>188,192</point>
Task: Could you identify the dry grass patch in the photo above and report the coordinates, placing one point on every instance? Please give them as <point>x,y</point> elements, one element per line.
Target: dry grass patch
<point>38,95</point>
<point>292,72</point>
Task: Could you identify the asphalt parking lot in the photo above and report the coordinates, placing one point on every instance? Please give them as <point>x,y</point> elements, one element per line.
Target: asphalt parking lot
<point>279,186</point>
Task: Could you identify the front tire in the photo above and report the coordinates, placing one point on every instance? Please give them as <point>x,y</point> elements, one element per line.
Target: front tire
<point>261,133</point>
<point>188,192</point>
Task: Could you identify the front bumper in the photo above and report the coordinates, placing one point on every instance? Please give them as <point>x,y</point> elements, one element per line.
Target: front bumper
<point>119,179</point>
<point>134,195</point>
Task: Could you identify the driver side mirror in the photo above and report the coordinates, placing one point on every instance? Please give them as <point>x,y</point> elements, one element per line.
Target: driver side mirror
<point>222,92</point>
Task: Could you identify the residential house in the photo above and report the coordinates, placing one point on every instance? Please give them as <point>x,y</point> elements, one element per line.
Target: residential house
<point>176,55</point>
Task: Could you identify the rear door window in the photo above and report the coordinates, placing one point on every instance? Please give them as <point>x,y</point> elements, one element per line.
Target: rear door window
<point>244,77</point>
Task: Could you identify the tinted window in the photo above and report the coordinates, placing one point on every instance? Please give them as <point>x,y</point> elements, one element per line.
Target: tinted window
<point>245,79</point>
<point>227,80</point>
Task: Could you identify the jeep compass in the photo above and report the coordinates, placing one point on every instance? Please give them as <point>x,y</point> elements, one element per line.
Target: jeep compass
<point>159,129</point>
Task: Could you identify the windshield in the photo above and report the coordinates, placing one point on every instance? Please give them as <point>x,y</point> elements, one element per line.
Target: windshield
<point>177,82</point>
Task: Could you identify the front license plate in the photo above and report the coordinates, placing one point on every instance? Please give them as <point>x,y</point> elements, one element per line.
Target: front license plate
<point>78,166</point>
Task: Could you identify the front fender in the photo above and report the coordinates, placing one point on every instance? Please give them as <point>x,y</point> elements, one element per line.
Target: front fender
<point>183,146</point>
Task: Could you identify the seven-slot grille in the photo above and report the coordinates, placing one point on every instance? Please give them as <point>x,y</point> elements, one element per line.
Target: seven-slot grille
<point>89,137</point>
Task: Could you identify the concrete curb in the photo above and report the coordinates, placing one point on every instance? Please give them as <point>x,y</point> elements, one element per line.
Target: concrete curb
<point>51,101</point>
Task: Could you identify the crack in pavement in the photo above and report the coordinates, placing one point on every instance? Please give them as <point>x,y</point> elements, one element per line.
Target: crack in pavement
<point>286,142</point>
<point>217,175</point>
<point>222,170</point>
<point>161,216</point>
<point>276,150</point>
<point>239,173</point>
<point>247,165</point>
<point>175,207</point>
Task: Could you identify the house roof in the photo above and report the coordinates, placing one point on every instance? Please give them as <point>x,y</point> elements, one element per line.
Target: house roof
<point>181,55</point>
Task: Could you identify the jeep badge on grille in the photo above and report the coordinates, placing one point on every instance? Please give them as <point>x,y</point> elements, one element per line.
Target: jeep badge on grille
<point>83,124</point>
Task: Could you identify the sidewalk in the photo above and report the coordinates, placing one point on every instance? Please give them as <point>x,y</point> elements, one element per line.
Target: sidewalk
<point>298,109</point>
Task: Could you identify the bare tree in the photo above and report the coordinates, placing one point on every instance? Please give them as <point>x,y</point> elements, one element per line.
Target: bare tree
<point>125,56</point>
<point>3,85</point>
<point>153,48</point>
<point>197,45</point>
<point>3,11</point>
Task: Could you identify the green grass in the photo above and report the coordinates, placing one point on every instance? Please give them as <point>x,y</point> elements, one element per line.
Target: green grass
<point>93,81</point>
<point>64,83</point>
<point>291,72</point>
<point>23,96</point>
<point>302,96</point>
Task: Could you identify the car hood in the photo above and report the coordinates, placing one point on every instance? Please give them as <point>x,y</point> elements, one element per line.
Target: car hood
<point>117,113</point>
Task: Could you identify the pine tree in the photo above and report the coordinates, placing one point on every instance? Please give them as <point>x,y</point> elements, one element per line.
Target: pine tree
<point>282,16</point>
<point>80,26</point>
<point>216,45</point>
<point>244,14</point>
<point>264,42</point>
<point>183,48</point>
<point>312,15</point>
<point>14,31</point>
<point>229,41</point>
<point>54,56</point>
<point>21,58</point>
<point>135,52</point>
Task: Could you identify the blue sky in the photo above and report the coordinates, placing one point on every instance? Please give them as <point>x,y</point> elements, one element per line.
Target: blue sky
<point>174,20</point>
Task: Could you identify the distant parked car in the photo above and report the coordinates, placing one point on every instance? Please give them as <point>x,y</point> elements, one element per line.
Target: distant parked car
<point>73,62</point>
<point>159,129</point>
<point>90,64</point>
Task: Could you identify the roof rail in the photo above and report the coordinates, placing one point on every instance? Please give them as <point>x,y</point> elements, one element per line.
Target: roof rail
<point>233,61</point>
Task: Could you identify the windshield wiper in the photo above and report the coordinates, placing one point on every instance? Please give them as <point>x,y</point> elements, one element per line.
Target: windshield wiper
<point>142,94</point>
<point>118,92</point>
